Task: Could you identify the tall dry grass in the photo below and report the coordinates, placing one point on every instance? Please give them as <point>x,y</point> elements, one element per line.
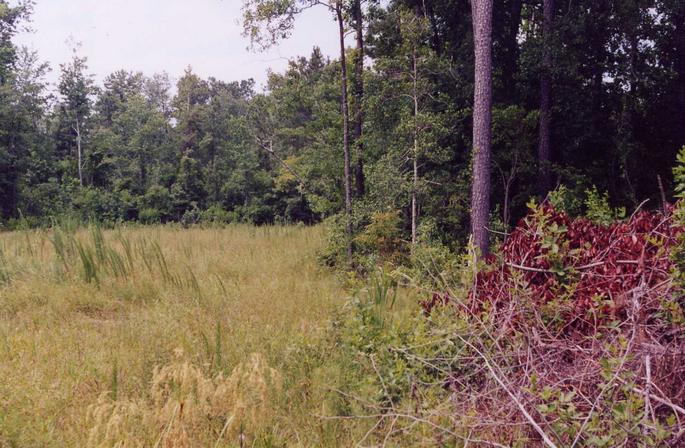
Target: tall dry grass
<point>161,336</point>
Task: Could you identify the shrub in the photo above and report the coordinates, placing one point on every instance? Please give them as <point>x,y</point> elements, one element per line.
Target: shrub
<point>215,215</point>
<point>95,204</point>
<point>158,198</point>
<point>383,236</point>
<point>598,209</point>
<point>191,216</point>
<point>150,216</point>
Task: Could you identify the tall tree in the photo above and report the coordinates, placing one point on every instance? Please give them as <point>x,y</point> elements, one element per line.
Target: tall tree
<point>267,21</point>
<point>481,13</point>
<point>344,101</point>
<point>411,71</point>
<point>12,152</point>
<point>358,83</point>
<point>545,131</point>
<point>77,88</point>
<point>11,18</point>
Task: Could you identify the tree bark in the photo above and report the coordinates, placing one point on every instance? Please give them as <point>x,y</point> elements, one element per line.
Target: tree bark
<point>346,130</point>
<point>415,179</point>
<point>481,11</point>
<point>359,98</point>
<point>78,151</point>
<point>143,170</point>
<point>546,183</point>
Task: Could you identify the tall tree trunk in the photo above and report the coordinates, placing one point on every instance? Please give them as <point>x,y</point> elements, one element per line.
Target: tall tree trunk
<point>415,179</point>
<point>359,97</point>
<point>546,183</point>
<point>481,12</point>
<point>143,171</point>
<point>79,152</point>
<point>346,130</point>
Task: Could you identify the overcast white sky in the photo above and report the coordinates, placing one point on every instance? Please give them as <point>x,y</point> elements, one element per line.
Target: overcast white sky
<point>167,35</point>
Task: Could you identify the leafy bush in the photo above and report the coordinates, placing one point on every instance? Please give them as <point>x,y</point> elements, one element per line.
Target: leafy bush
<point>158,198</point>
<point>333,254</point>
<point>598,209</point>
<point>191,216</point>
<point>389,360</point>
<point>589,203</point>
<point>150,216</point>
<point>96,204</point>
<point>383,237</point>
<point>215,215</point>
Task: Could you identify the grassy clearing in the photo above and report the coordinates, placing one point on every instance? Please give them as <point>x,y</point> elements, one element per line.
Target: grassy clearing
<point>161,336</point>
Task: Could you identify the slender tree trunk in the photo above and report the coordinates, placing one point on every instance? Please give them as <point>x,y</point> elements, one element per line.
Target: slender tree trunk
<point>346,130</point>
<point>546,183</point>
<point>415,180</point>
<point>359,98</point>
<point>78,152</point>
<point>143,171</point>
<point>481,11</point>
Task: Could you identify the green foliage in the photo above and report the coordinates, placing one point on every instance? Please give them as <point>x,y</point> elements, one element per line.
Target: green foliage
<point>215,215</point>
<point>150,216</point>
<point>591,203</point>
<point>679,254</point>
<point>566,201</point>
<point>598,209</point>
<point>373,336</point>
<point>383,237</point>
<point>679,173</point>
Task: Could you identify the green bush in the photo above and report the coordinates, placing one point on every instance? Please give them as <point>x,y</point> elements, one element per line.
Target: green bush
<point>598,210</point>
<point>150,216</point>
<point>215,215</point>
<point>391,361</point>
<point>383,237</point>
<point>158,198</point>
<point>95,204</point>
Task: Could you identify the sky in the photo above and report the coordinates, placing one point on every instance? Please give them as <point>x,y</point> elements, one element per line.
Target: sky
<point>153,36</point>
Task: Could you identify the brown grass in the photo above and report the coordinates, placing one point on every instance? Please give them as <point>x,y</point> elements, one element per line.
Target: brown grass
<point>199,319</point>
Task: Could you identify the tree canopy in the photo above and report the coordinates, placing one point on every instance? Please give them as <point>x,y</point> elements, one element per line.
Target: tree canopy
<point>584,94</point>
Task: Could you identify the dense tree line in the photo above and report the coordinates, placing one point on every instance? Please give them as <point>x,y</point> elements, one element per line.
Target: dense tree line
<point>581,93</point>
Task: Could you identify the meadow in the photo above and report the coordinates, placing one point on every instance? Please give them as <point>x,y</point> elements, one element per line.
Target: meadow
<point>164,336</point>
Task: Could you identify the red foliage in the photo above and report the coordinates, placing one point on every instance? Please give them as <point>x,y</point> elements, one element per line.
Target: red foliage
<point>581,261</point>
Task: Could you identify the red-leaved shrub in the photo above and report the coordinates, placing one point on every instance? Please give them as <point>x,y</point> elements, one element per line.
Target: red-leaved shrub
<point>595,269</point>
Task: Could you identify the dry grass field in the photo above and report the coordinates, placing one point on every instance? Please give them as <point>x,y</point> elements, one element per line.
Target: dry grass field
<point>162,336</point>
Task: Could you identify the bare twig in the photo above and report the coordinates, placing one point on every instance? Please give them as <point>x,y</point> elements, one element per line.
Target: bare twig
<point>516,401</point>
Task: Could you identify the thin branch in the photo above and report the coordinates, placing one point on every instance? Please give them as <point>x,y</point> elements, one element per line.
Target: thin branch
<point>518,404</point>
